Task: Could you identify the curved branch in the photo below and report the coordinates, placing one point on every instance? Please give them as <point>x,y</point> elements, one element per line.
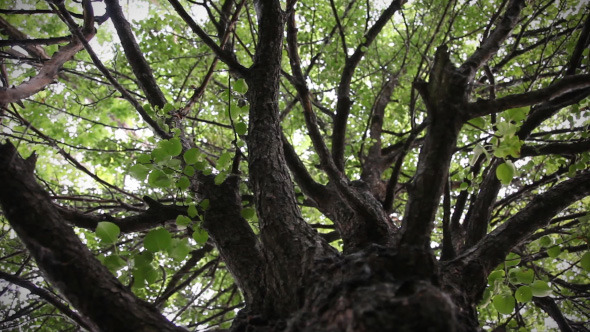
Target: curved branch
<point>344,103</point>
<point>568,84</point>
<point>137,61</point>
<point>223,55</point>
<point>66,262</point>
<point>492,44</point>
<point>49,298</point>
<point>46,75</point>
<point>493,248</point>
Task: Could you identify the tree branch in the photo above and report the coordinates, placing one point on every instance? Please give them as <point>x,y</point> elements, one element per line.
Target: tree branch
<point>67,18</point>
<point>492,44</point>
<point>51,299</point>
<point>223,55</point>
<point>343,93</point>
<point>493,248</point>
<point>568,84</point>
<point>137,61</point>
<point>66,262</point>
<point>46,75</point>
<point>234,238</point>
<point>555,148</point>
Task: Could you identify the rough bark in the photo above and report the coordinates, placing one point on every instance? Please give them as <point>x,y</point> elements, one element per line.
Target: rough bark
<point>67,263</point>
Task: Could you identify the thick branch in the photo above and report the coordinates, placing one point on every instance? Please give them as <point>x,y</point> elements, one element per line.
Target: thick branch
<point>50,298</point>
<point>291,244</point>
<point>494,247</point>
<point>492,44</point>
<point>568,84</point>
<point>555,148</point>
<point>139,64</point>
<point>344,103</point>
<point>157,214</point>
<point>444,96</point>
<point>65,261</point>
<point>46,75</point>
<point>223,55</point>
<point>234,238</point>
<point>552,309</point>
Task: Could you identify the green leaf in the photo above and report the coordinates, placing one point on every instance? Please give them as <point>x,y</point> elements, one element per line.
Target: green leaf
<point>191,156</point>
<point>142,259</point>
<point>504,303</point>
<point>173,147</point>
<point>159,179</point>
<point>512,275</point>
<point>144,159</point>
<point>157,240</point>
<point>149,110</point>
<point>179,249</point>
<point>585,261</point>
<point>495,275</point>
<point>505,173</point>
<point>478,122</point>
<point>107,232</point>
<point>545,241</point>
<point>145,274</point>
<point>554,251</point>
<point>486,298</point>
<point>200,235</point>
<point>204,204</point>
<point>183,183</point>
<point>223,161</point>
<point>151,275</point>
<point>183,221</point>
<point>173,164</point>
<point>241,128</point>
<point>114,262</point>
<point>248,213</point>
<point>192,211</point>
<point>240,86</point>
<point>525,276</point>
<point>159,155</point>
<point>167,108</point>
<point>512,260</point>
<point>541,288</point>
<point>523,294</point>
<point>219,178</point>
<point>189,170</point>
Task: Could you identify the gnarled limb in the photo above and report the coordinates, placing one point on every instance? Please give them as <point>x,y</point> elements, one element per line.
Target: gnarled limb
<point>139,64</point>
<point>343,93</point>
<point>472,267</point>
<point>66,262</point>
<point>492,44</point>
<point>291,245</point>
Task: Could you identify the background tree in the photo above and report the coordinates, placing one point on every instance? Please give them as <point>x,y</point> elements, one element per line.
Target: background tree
<point>316,165</point>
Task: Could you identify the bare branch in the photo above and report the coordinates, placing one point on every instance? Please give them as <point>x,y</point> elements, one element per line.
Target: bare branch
<point>49,298</point>
<point>139,64</point>
<point>343,105</point>
<point>67,263</point>
<point>492,44</point>
<point>568,84</point>
<point>223,55</point>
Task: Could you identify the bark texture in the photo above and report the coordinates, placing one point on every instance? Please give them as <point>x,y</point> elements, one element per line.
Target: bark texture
<point>67,263</point>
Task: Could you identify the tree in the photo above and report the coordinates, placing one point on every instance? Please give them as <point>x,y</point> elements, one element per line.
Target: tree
<point>295,165</point>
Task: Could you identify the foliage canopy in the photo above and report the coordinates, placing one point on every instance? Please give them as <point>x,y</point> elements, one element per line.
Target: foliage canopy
<point>456,127</point>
